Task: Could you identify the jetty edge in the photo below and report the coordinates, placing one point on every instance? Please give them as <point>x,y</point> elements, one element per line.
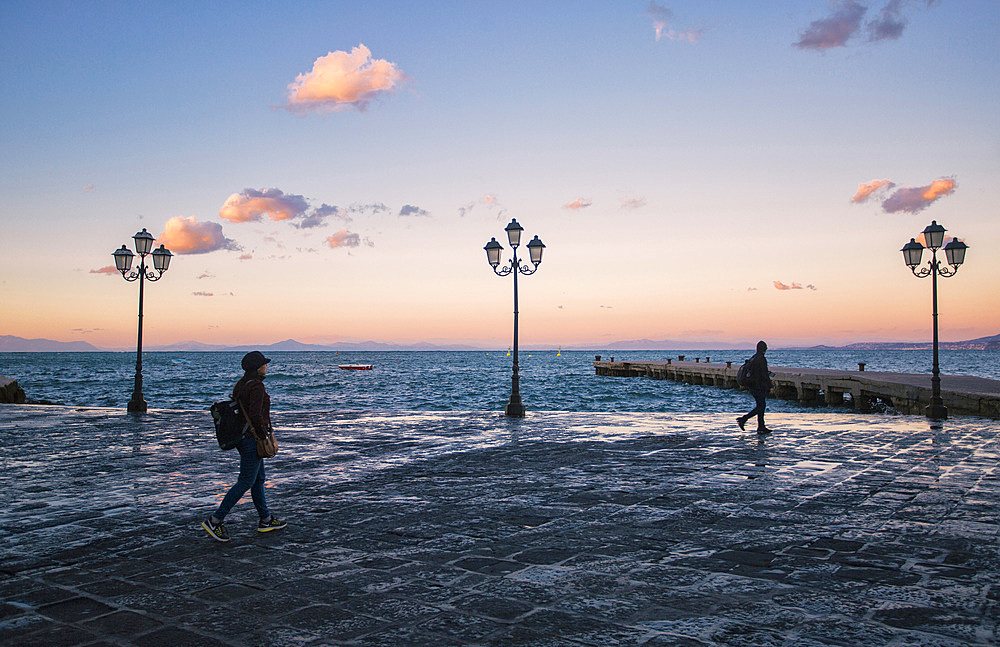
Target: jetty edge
<point>907,393</point>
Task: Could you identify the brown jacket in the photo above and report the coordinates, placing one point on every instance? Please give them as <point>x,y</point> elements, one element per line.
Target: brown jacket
<point>252,395</point>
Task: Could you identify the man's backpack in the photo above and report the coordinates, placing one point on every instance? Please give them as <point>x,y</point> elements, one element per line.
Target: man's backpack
<point>229,423</point>
<point>743,375</point>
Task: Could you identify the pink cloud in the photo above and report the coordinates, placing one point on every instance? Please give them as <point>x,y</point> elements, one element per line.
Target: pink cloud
<point>492,203</point>
<point>107,269</point>
<point>202,294</point>
<point>252,205</point>
<point>778,285</point>
<point>343,238</point>
<point>188,236</point>
<point>579,203</point>
<point>866,189</point>
<point>661,17</point>
<point>633,203</point>
<point>246,257</point>
<point>687,35</point>
<point>834,30</point>
<point>343,80</point>
<point>916,199</point>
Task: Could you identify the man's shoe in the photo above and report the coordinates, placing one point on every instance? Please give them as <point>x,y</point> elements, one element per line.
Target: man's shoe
<point>741,422</point>
<point>763,431</point>
<point>272,524</point>
<point>217,530</point>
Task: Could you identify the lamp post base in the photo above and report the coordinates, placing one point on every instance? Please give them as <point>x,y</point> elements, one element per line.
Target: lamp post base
<point>136,406</point>
<point>936,411</point>
<point>514,409</point>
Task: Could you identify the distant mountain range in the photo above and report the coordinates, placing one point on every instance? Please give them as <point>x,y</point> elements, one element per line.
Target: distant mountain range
<point>983,343</point>
<point>10,343</point>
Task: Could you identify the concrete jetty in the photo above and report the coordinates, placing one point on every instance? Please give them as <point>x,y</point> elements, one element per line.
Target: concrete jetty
<point>864,390</point>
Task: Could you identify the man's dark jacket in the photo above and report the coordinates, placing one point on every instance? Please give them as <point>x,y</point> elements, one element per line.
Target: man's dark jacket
<point>760,375</point>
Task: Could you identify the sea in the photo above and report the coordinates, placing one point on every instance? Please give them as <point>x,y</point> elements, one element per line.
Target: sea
<point>550,380</point>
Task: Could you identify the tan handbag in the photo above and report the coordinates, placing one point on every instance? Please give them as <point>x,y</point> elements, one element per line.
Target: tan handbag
<point>267,446</point>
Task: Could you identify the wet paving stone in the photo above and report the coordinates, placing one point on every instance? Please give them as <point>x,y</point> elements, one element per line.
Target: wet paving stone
<point>123,623</point>
<point>170,636</point>
<point>74,609</point>
<point>57,636</point>
<point>472,529</point>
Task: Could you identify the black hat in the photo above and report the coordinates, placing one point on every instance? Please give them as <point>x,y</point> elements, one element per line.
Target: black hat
<point>253,360</point>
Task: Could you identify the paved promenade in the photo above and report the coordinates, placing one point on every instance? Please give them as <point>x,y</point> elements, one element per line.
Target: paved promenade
<point>470,529</point>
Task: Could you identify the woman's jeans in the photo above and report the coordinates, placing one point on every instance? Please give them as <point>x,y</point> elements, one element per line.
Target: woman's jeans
<point>251,478</point>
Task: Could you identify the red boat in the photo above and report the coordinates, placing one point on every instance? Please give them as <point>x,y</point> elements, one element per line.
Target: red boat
<point>355,367</point>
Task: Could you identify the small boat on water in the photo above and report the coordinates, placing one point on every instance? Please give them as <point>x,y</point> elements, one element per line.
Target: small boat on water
<point>355,367</point>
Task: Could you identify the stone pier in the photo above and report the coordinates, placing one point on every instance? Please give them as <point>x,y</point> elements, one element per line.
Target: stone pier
<point>866,391</point>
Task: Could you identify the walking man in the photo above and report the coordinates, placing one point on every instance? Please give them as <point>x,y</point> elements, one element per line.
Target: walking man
<point>760,386</point>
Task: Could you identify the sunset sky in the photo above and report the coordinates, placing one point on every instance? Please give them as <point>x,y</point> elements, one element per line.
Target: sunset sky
<point>325,171</point>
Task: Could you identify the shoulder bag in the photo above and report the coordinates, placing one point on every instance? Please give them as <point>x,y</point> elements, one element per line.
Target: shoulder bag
<point>267,446</point>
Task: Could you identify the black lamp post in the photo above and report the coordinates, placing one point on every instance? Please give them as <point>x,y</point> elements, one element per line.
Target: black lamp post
<point>123,261</point>
<point>955,253</point>
<point>514,408</point>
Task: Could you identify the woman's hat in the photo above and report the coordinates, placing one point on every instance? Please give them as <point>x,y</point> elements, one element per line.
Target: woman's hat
<point>254,360</point>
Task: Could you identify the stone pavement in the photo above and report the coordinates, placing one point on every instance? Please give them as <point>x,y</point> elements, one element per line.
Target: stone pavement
<point>471,529</point>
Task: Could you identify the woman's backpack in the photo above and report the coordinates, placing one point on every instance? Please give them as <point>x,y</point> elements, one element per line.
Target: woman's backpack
<point>229,423</point>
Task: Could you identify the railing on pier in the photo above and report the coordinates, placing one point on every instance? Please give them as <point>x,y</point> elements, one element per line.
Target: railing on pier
<point>864,390</point>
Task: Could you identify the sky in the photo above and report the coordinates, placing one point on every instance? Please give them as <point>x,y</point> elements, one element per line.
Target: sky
<point>330,171</point>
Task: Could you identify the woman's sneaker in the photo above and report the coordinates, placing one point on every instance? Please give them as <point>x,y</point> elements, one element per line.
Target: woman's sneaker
<point>217,530</point>
<point>272,524</point>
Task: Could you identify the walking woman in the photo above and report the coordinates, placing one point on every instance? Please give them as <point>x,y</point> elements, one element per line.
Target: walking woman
<point>252,396</point>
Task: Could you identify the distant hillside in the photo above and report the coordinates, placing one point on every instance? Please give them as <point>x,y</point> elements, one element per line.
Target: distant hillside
<point>664,344</point>
<point>983,343</point>
<point>293,345</point>
<point>12,344</point>
<point>186,346</point>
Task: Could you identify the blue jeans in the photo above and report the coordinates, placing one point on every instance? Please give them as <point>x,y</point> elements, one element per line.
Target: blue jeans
<point>251,478</point>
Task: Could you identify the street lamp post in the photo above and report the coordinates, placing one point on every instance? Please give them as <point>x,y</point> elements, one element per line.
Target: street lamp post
<point>955,254</point>
<point>123,261</point>
<point>514,408</point>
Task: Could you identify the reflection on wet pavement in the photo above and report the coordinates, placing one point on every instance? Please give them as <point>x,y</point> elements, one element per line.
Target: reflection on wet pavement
<point>470,528</point>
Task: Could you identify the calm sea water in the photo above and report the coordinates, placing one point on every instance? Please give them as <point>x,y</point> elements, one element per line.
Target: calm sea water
<point>431,381</point>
